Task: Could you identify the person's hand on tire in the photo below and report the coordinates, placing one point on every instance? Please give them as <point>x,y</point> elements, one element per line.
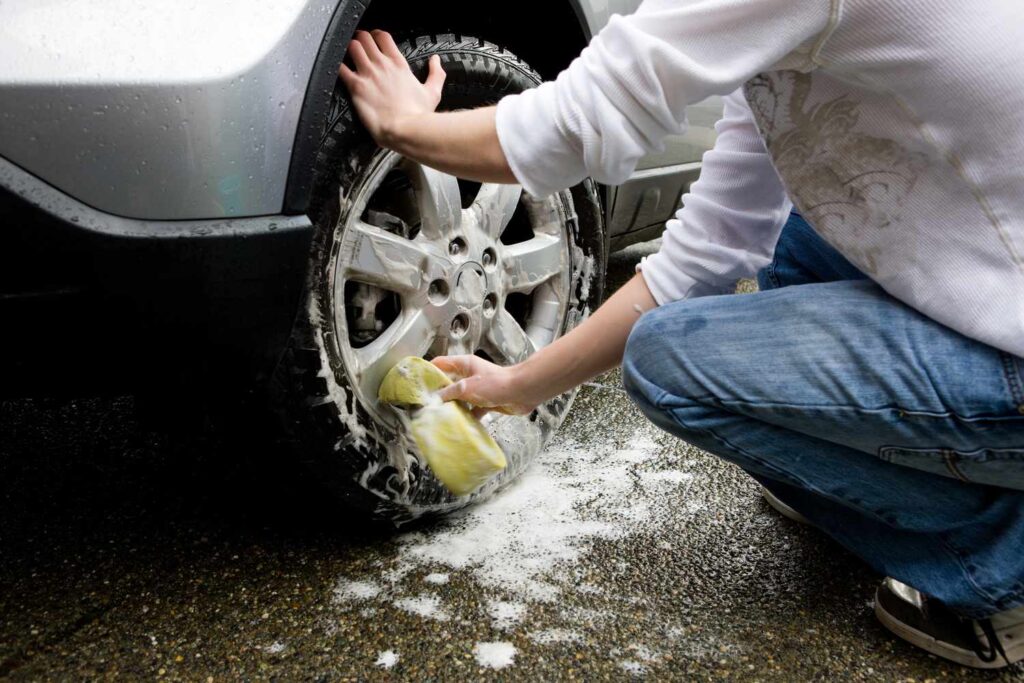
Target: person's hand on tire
<point>487,386</point>
<point>384,89</point>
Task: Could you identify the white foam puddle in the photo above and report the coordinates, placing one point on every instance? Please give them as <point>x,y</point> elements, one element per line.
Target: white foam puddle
<point>428,606</point>
<point>632,667</point>
<point>494,655</point>
<point>550,636</point>
<point>505,614</point>
<point>547,520</point>
<point>524,546</point>
<point>387,659</point>
<point>347,590</point>
<point>436,578</point>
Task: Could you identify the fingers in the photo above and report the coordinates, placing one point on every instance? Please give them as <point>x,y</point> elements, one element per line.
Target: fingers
<point>347,75</point>
<point>460,366</point>
<point>479,412</point>
<point>454,392</point>
<point>359,56</point>
<point>370,46</point>
<point>435,75</point>
<point>387,45</point>
<point>364,51</point>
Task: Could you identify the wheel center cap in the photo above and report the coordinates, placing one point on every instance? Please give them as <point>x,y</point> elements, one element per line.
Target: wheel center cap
<point>470,285</point>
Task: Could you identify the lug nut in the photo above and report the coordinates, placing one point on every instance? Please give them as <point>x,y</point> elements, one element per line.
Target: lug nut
<point>459,325</point>
<point>456,246</point>
<point>490,303</point>
<point>438,291</point>
<point>489,258</point>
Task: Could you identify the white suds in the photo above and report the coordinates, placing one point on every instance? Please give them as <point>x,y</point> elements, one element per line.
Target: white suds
<point>496,655</point>
<point>505,615</point>
<point>548,519</point>
<point>355,590</point>
<point>428,606</point>
<point>525,545</point>
<point>551,636</point>
<point>274,648</point>
<point>633,668</point>
<point>387,659</point>
<point>638,308</point>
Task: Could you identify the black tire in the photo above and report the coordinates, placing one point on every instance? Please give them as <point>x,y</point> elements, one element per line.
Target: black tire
<point>360,459</point>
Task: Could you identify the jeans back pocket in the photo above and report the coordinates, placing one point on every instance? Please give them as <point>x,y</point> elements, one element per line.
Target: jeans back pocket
<point>991,466</point>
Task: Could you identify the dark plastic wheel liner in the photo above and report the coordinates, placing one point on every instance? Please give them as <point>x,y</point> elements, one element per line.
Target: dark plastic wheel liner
<point>317,102</point>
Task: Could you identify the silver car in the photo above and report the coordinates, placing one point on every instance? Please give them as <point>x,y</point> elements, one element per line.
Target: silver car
<point>190,211</point>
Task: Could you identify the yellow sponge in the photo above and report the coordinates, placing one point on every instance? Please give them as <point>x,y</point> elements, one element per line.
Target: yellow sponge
<point>455,445</point>
<point>411,382</point>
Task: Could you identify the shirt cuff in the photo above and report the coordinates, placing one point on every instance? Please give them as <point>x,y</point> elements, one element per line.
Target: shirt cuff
<point>541,156</point>
<point>667,283</point>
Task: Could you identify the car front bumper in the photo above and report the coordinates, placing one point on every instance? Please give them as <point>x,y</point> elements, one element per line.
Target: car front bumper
<point>96,301</point>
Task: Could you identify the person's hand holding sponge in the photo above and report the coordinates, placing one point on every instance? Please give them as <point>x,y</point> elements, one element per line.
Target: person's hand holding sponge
<point>457,448</point>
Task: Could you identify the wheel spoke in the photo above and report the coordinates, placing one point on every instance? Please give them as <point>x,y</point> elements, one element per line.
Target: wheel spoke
<point>495,203</point>
<point>507,340</point>
<point>528,264</point>
<point>410,335</point>
<point>439,200</point>
<point>386,260</point>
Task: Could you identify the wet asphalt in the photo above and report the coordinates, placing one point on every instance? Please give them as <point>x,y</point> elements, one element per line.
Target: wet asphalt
<point>126,553</point>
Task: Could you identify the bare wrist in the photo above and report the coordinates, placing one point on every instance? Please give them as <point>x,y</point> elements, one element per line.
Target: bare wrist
<point>397,134</point>
<point>528,381</point>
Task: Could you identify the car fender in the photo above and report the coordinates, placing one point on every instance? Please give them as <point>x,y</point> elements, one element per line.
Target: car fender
<point>155,110</point>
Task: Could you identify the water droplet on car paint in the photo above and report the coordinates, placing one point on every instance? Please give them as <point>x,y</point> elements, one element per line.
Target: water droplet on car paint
<point>281,105</point>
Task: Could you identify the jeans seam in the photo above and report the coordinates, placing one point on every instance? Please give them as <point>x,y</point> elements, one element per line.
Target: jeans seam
<point>1012,595</point>
<point>1012,378</point>
<point>711,401</point>
<point>949,457</point>
<point>772,275</point>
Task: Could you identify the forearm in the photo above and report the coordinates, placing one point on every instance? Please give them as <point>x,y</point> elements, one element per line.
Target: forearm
<point>461,143</point>
<point>595,346</point>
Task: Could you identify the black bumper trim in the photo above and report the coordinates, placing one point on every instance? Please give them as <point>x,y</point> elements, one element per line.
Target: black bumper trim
<point>106,295</point>
<point>61,207</point>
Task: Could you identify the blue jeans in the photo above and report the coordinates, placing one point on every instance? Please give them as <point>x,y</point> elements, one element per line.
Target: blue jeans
<point>898,437</point>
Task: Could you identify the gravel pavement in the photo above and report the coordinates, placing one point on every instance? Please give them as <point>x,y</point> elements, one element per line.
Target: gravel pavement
<point>621,553</point>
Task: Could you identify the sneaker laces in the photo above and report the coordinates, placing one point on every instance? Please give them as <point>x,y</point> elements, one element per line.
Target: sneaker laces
<point>987,653</point>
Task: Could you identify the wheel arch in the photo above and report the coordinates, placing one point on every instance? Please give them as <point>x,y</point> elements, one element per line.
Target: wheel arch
<point>546,35</point>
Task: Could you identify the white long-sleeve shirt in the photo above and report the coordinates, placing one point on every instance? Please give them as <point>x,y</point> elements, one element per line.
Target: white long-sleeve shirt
<point>896,127</point>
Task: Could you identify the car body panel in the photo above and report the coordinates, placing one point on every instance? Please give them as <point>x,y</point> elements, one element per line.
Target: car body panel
<point>156,110</point>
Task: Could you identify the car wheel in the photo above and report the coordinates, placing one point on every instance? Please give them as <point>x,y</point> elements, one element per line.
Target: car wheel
<point>407,260</point>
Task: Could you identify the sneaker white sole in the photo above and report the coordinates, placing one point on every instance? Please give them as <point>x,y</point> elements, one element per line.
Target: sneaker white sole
<point>782,508</point>
<point>942,649</point>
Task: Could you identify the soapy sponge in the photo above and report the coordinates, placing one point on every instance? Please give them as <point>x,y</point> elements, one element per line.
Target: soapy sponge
<point>457,448</point>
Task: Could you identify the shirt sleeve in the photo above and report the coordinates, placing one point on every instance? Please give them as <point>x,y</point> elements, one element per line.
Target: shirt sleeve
<point>630,87</point>
<point>731,217</point>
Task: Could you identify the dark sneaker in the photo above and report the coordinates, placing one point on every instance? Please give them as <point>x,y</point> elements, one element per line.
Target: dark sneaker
<point>984,644</point>
<point>782,508</point>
